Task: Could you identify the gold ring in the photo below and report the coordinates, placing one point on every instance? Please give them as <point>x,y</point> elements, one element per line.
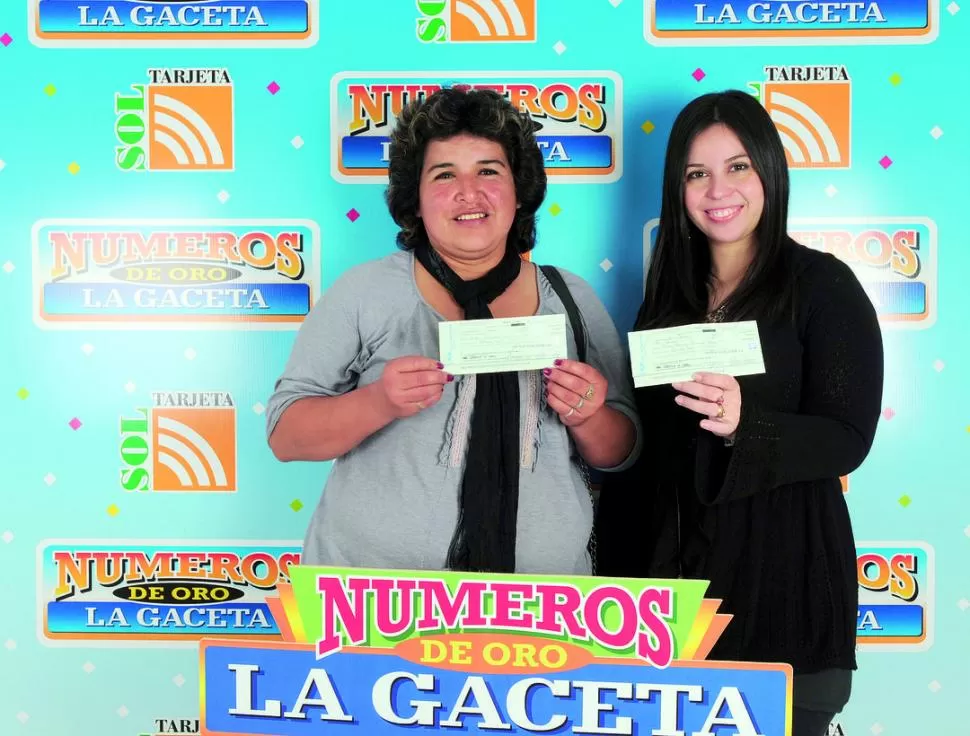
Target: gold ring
<point>580,404</point>
<point>720,411</point>
<point>589,392</point>
<point>421,405</point>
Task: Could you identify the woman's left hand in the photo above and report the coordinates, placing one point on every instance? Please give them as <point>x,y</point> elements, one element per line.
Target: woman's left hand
<point>717,397</point>
<point>574,390</point>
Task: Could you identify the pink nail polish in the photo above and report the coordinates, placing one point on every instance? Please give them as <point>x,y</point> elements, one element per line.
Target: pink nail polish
<point>440,365</point>
<point>547,371</point>
<point>558,361</point>
<point>450,378</point>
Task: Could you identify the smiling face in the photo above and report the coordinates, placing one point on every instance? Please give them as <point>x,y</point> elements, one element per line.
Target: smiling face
<point>723,193</point>
<point>467,198</point>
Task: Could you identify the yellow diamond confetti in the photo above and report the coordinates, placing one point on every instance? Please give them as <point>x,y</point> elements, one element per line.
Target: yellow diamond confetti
<point>24,393</point>
<point>905,501</point>
<point>73,167</point>
<point>555,209</point>
<point>296,505</point>
<point>49,90</point>
<point>648,127</point>
<point>895,79</point>
<point>113,510</point>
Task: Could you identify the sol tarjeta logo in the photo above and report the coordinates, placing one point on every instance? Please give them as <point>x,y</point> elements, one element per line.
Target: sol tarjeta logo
<point>232,274</point>
<point>471,21</point>
<point>186,441</point>
<point>811,107</point>
<point>578,116</point>
<point>181,120</point>
<point>153,590</point>
<point>387,651</point>
<point>141,23</point>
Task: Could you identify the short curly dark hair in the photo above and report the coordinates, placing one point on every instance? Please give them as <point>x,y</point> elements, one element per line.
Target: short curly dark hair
<point>452,111</point>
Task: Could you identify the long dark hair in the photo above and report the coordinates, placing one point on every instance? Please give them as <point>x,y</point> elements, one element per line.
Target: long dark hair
<point>680,267</point>
<point>448,112</point>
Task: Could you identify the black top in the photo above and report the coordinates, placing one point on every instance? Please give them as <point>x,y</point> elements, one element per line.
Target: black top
<point>765,520</point>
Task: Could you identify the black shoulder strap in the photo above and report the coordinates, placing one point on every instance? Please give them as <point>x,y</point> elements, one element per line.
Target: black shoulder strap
<point>572,311</point>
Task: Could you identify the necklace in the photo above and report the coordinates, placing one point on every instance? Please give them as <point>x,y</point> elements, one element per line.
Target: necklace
<point>718,314</point>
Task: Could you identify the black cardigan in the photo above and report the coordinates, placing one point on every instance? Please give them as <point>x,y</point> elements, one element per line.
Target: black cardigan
<point>764,521</point>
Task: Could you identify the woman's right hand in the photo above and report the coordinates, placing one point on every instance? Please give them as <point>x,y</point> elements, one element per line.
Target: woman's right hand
<point>411,384</point>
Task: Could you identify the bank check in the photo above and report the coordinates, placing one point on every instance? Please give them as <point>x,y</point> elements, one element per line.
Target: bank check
<point>499,345</point>
<point>673,354</point>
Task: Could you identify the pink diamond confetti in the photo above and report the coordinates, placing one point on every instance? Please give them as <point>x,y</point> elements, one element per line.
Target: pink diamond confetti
<point>75,424</point>
<point>885,162</point>
<point>888,413</point>
<point>559,48</point>
<point>8,267</point>
<point>936,132</point>
<point>352,215</point>
<point>6,39</point>
<point>50,479</point>
<point>273,88</point>
<point>939,365</point>
<point>7,537</point>
<point>698,74</point>
<point>953,8</point>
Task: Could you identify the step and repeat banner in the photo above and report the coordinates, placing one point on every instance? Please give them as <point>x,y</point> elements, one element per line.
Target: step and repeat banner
<point>179,183</point>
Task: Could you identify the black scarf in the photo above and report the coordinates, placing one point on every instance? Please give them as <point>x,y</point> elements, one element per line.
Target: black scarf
<point>484,539</point>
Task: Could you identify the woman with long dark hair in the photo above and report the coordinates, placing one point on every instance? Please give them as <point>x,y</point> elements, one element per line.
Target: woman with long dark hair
<point>739,482</point>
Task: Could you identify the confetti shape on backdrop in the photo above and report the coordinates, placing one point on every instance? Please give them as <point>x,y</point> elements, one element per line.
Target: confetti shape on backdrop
<point>74,168</point>
<point>606,264</point>
<point>905,501</point>
<point>352,215</point>
<point>559,47</point>
<point>113,510</point>
<point>648,127</point>
<point>831,191</point>
<point>88,667</point>
<point>23,394</point>
<point>258,408</point>
<point>296,504</point>
<point>50,90</point>
<point>123,712</point>
<point>888,413</point>
<point>936,132</point>
<point>895,79</point>
<point>8,267</point>
<point>223,196</point>
<point>885,162</point>
<point>953,8</point>
<point>75,424</point>
<point>554,209</point>
<point>178,680</point>
<point>2,164</point>
<point>273,88</point>
<point>7,537</point>
<point>10,644</point>
<point>698,74</point>
<point>6,39</point>
<point>50,479</point>
<point>23,717</point>
<point>297,142</point>
<point>935,686</point>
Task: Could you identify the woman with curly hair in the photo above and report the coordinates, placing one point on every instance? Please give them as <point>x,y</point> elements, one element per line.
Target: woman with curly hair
<point>481,472</point>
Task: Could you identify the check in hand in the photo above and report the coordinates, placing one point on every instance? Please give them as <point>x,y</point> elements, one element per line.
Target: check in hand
<point>412,384</point>
<point>715,396</point>
<point>574,390</point>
